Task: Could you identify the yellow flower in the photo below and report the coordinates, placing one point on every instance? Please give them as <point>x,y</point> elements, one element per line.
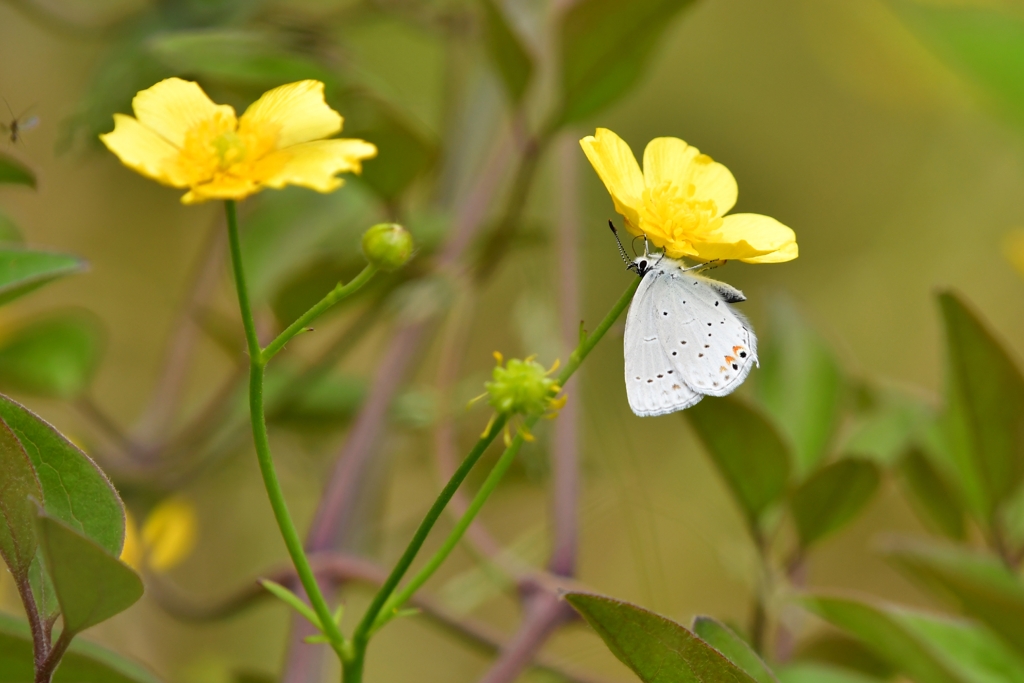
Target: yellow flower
<point>680,199</point>
<point>1013,249</point>
<point>179,137</point>
<point>168,536</point>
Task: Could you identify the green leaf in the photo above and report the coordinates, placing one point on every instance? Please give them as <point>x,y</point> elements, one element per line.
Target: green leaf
<point>53,356</point>
<point>605,47</point>
<point>884,432</point>
<point>84,662</point>
<point>721,637</point>
<point>925,647</point>
<point>841,651</point>
<point>292,600</point>
<point>506,50</point>
<point>807,672</point>
<point>832,497</point>
<point>985,409</point>
<point>931,494</point>
<point>979,585</point>
<point>75,490</point>
<point>92,585</point>
<point>20,492</point>
<point>750,455</point>
<point>14,172</point>
<point>984,42</point>
<point>800,384</point>
<point>656,649</point>
<point>234,56</point>
<point>23,270</point>
<point>10,235</point>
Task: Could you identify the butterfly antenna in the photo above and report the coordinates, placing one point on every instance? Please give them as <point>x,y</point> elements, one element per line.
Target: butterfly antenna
<point>9,108</point>
<point>615,233</point>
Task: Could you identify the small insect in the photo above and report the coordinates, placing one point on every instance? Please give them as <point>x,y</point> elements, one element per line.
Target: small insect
<point>18,124</point>
<point>683,341</point>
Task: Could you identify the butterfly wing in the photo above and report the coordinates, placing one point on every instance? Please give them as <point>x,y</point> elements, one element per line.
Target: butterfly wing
<point>711,347</point>
<point>653,384</point>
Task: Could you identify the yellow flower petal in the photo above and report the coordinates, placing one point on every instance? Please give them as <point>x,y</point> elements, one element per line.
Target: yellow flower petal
<point>315,164</point>
<point>617,167</point>
<point>142,150</point>
<point>172,107</point>
<point>672,160</point>
<point>786,253</point>
<point>749,237</point>
<point>300,111</point>
<point>222,186</point>
<point>169,533</point>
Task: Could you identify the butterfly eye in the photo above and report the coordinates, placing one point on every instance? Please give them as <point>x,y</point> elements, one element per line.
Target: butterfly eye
<point>643,266</point>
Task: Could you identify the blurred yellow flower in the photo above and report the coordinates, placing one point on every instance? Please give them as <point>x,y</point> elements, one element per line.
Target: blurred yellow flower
<point>1013,249</point>
<point>168,536</point>
<point>680,199</point>
<point>179,137</point>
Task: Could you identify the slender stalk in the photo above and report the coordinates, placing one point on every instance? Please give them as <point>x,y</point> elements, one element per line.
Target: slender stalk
<point>262,442</point>
<point>374,620</point>
<point>493,479</point>
<point>362,632</point>
<point>44,673</point>
<point>342,291</point>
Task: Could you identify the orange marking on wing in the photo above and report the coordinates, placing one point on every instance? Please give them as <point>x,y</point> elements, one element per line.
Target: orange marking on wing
<point>729,359</point>
<point>721,369</point>
<point>737,349</point>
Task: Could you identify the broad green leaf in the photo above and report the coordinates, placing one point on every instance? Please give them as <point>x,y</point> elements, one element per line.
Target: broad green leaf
<point>234,56</point>
<point>985,409</point>
<point>605,47</point>
<point>752,458</point>
<point>84,662</point>
<point>983,41</point>
<point>926,647</point>
<point>833,496</point>
<point>719,636</point>
<point>931,494</point>
<point>656,649</point>
<point>53,356</point>
<point>810,672</point>
<point>23,270</point>
<point>20,493</point>
<point>838,650</point>
<point>13,172</point>
<point>800,384</point>
<point>884,432</point>
<point>10,235</point>
<point>506,50</point>
<point>75,490</point>
<point>979,585</point>
<point>92,585</point>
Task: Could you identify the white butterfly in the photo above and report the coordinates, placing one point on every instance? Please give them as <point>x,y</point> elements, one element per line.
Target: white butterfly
<point>683,341</point>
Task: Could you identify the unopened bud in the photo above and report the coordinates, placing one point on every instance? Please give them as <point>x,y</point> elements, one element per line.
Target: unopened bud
<point>387,246</point>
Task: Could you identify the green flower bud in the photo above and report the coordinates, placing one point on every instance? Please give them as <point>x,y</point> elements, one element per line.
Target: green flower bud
<point>387,246</point>
<point>522,387</point>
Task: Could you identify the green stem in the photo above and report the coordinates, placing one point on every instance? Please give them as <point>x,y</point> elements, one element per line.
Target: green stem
<point>262,442</point>
<point>362,632</point>
<point>385,605</point>
<point>342,291</point>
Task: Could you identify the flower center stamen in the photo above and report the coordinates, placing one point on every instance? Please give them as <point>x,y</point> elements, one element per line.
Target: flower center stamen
<point>673,212</point>
<point>229,148</point>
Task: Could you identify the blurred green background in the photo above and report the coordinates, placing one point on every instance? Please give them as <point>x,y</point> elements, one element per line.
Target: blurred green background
<point>897,173</point>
